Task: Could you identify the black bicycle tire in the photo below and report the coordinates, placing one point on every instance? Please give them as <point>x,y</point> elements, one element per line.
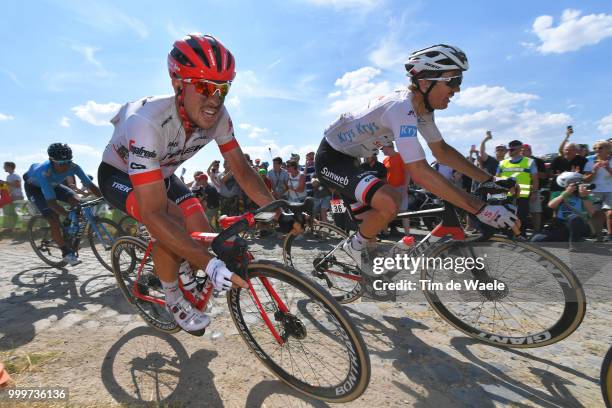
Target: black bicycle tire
<point>606,379</point>
<point>171,328</point>
<point>350,297</point>
<point>34,245</point>
<point>296,279</point>
<point>90,238</point>
<point>570,320</point>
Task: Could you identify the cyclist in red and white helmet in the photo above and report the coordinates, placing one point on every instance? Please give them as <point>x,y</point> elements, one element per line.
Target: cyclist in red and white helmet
<point>153,136</point>
<point>435,76</point>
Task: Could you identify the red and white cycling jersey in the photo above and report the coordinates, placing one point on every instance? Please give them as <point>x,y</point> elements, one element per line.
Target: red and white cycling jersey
<point>149,142</point>
<point>385,119</point>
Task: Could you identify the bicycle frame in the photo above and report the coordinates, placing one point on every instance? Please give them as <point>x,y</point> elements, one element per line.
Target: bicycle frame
<point>207,238</point>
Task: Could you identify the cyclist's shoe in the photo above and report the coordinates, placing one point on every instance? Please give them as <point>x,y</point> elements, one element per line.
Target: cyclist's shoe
<point>352,252</point>
<point>188,317</point>
<point>71,258</point>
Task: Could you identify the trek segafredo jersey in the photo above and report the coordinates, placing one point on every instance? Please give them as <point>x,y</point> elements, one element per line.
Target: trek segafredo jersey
<point>149,142</point>
<point>386,119</point>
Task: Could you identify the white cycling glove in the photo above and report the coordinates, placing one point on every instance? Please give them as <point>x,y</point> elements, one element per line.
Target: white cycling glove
<point>219,274</point>
<point>497,216</point>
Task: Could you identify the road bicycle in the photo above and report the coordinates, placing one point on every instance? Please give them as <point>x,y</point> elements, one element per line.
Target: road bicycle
<point>321,354</point>
<point>100,232</point>
<point>528,297</point>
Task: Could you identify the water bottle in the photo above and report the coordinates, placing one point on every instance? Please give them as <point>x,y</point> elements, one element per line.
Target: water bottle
<point>403,246</point>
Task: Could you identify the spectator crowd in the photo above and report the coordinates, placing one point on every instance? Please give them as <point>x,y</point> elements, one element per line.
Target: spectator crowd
<point>548,210</point>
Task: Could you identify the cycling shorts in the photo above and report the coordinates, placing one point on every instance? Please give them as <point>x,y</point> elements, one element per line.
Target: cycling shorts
<point>117,189</point>
<point>35,195</point>
<point>341,172</point>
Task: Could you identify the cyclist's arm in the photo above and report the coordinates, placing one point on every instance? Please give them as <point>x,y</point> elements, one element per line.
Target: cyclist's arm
<point>245,175</point>
<point>86,181</point>
<point>447,155</point>
<point>425,176</point>
<point>49,194</point>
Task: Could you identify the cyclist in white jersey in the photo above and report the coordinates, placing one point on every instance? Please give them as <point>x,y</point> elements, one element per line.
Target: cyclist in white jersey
<point>436,74</point>
<point>155,135</point>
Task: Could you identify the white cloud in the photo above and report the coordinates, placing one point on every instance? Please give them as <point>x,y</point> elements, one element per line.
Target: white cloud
<point>491,96</point>
<point>254,131</point>
<point>346,4</point>
<point>507,114</point>
<point>5,117</point>
<point>13,77</point>
<point>98,114</point>
<point>65,122</point>
<point>605,125</point>
<point>356,89</point>
<point>574,31</point>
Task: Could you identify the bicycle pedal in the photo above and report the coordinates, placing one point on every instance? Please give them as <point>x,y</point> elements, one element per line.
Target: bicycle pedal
<point>197,333</point>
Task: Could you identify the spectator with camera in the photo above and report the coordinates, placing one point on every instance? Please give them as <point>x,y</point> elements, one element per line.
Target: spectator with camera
<point>229,191</point>
<point>488,163</point>
<point>573,208</point>
<point>568,159</point>
<point>597,171</point>
<point>213,174</point>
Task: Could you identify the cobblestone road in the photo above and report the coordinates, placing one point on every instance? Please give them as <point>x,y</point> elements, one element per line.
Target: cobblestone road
<point>105,354</point>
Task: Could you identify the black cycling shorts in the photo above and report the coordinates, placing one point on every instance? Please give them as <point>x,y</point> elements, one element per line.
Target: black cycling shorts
<point>118,191</point>
<point>341,172</point>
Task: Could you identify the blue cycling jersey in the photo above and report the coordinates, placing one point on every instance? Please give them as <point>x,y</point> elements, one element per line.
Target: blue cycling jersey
<point>42,175</point>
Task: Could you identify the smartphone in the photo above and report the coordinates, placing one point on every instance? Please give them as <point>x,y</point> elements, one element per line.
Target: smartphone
<point>473,148</point>
<point>570,128</point>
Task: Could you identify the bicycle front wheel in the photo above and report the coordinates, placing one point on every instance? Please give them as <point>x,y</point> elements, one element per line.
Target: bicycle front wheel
<point>318,253</point>
<point>515,295</point>
<point>605,379</point>
<point>128,257</point>
<point>39,234</point>
<point>320,353</point>
<point>101,237</point>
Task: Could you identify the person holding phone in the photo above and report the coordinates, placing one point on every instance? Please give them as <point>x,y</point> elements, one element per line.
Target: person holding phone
<point>569,160</point>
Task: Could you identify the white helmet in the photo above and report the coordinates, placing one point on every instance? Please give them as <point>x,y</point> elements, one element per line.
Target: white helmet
<point>439,57</point>
<point>568,177</point>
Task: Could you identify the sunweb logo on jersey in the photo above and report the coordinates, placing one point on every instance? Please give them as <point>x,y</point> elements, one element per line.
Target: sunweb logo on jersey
<point>335,177</point>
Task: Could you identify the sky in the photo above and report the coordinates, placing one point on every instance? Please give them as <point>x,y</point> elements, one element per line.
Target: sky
<point>535,67</point>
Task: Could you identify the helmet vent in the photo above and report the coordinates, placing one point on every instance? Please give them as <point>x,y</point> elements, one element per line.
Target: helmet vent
<point>180,57</point>
<point>195,46</point>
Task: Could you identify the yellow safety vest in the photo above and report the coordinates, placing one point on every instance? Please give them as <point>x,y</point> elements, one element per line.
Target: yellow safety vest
<point>519,171</point>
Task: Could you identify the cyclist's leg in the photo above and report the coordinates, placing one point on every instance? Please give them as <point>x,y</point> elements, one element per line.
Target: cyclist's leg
<point>117,189</point>
<point>35,195</point>
<point>65,194</point>
<point>370,200</point>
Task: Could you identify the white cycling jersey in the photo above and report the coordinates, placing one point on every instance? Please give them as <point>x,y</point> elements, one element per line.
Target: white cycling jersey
<point>149,141</point>
<point>385,119</point>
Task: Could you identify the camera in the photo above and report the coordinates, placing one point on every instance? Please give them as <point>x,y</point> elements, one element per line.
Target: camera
<point>587,186</point>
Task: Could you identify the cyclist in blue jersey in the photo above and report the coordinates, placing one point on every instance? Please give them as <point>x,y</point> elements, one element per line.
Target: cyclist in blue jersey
<point>43,186</point>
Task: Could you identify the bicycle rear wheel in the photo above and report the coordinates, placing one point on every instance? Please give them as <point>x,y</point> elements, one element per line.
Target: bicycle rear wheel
<point>533,299</point>
<point>39,234</point>
<point>330,265</point>
<point>101,240</point>
<point>128,255</point>
<point>319,353</point>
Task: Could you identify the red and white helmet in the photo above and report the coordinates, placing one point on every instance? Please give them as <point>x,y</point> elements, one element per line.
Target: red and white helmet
<point>439,57</point>
<point>201,57</point>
